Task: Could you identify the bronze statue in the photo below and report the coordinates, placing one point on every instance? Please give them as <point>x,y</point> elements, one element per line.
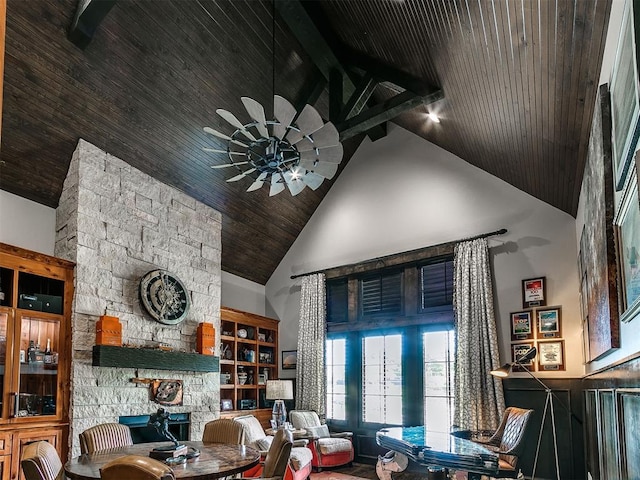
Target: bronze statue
<point>160,421</point>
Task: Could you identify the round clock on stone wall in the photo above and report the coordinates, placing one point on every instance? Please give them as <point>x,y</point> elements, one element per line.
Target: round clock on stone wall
<point>164,297</point>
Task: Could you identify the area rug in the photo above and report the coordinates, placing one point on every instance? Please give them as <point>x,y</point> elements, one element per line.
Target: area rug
<point>333,475</point>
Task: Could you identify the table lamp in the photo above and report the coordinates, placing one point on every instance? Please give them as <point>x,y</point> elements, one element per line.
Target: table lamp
<point>279,390</point>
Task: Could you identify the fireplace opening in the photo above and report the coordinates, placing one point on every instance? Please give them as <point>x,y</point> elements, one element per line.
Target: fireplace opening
<point>142,433</point>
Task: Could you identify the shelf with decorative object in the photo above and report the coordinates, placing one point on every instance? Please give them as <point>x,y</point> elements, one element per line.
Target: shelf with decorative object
<point>249,347</point>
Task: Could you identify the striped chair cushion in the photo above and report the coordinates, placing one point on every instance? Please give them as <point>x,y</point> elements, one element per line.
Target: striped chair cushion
<point>104,436</point>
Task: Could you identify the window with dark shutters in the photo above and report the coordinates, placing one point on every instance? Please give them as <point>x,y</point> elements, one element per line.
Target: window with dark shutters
<point>436,282</point>
<point>381,294</point>
<point>337,300</point>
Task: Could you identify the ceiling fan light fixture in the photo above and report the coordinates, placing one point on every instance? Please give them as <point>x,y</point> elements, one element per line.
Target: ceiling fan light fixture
<point>433,117</point>
<point>293,151</point>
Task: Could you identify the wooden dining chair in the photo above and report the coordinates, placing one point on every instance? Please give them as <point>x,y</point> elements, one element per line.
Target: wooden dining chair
<point>104,436</point>
<point>40,461</point>
<point>277,459</point>
<point>136,467</point>
<point>223,430</point>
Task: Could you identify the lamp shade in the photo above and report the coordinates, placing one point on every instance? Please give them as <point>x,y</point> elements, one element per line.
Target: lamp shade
<point>279,390</point>
<point>502,372</point>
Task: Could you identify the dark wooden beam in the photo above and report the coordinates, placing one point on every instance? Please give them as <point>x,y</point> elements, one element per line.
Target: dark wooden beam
<point>311,91</point>
<point>385,111</point>
<point>88,16</point>
<point>359,99</point>
<point>335,95</point>
<point>307,33</point>
<point>383,73</point>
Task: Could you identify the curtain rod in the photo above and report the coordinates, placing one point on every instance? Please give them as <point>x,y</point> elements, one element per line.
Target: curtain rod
<point>502,231</point>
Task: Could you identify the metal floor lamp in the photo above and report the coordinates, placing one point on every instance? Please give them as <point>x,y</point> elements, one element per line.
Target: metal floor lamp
<point>504,371</point>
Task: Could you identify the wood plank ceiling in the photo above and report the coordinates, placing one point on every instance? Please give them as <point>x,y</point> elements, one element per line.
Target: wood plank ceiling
<point>519,80</point>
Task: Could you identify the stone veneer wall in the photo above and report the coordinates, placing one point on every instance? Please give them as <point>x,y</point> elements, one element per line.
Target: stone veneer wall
<point>117,224</point>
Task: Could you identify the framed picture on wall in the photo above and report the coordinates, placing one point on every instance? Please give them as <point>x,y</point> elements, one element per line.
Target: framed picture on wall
<point>548,322</point>
<point>625,98</point>
<point>521,326</point>
<point>534,292</point>
<point>289,359</point>
<point>551,355</point>
<point>517,351</point>
<point>628,236</point>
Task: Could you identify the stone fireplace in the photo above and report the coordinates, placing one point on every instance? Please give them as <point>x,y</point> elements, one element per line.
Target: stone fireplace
<point>117,223</point>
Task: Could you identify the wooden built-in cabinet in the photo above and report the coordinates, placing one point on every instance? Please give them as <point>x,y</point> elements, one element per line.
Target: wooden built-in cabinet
<point>36,293</point>
<point>248,358</point>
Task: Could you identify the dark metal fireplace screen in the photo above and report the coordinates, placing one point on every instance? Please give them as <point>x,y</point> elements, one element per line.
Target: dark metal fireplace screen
<point>142,433</point>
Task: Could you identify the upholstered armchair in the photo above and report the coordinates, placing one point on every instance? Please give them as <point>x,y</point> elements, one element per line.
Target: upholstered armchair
<point>299,465</point>
<point>328,449</point>
<point>40,461</point>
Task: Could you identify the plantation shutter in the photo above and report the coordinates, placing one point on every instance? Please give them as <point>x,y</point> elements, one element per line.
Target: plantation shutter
<point>381,294</point>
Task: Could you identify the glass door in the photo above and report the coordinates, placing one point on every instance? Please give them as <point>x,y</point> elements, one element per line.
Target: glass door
<point>37,381</point>
<point>6,331</point>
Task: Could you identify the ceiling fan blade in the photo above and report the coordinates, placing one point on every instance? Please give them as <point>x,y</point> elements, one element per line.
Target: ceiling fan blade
<point>330,155</point>
<point>294,181</point>
<point>256,111</point>
<point>221,135</point>
<point>276,185</point>
<point>216,133</point>
<point>242,175</point>
<point>295,187</point>
<point>327,136</point>
<point>284,113</point>
<point>307,122</point>
<point>225,165</point>
<point>324,169</point>
<point>218,150</point>
<point>312,180</point>
<point>258,183</point>
<point>233,121</point>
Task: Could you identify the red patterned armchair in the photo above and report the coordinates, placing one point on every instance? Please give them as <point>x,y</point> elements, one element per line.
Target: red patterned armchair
<point>329,449</point>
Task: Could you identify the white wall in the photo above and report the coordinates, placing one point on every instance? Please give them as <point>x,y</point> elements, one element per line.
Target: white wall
<point>403,193</point>
<point>242,294</point>
<point>27,224</point>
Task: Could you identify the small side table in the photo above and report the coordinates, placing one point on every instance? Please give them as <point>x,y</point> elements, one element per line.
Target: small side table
<point>297,433</point>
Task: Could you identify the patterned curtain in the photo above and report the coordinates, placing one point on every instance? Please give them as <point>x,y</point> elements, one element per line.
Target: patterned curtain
<point>479,400</point>
<point>310,375</point>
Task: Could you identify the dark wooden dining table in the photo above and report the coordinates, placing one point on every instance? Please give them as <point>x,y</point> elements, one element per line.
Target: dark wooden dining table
<point>216,460</point>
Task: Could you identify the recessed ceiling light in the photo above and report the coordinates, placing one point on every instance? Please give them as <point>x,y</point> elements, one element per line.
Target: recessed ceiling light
<point>434,118</point>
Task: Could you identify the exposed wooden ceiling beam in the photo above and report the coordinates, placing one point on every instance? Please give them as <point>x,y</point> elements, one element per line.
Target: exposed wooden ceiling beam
<point>385,111</point>
<point>352,118</point>
<point>88,16</point>
<point>306,32</point>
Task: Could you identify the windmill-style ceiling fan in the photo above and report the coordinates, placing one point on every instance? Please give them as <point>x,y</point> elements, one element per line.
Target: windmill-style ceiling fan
<point>294,150</point>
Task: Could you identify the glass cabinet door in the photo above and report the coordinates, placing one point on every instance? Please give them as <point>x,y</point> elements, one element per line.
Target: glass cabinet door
<point>37,388</point>
<point>5,370</point>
